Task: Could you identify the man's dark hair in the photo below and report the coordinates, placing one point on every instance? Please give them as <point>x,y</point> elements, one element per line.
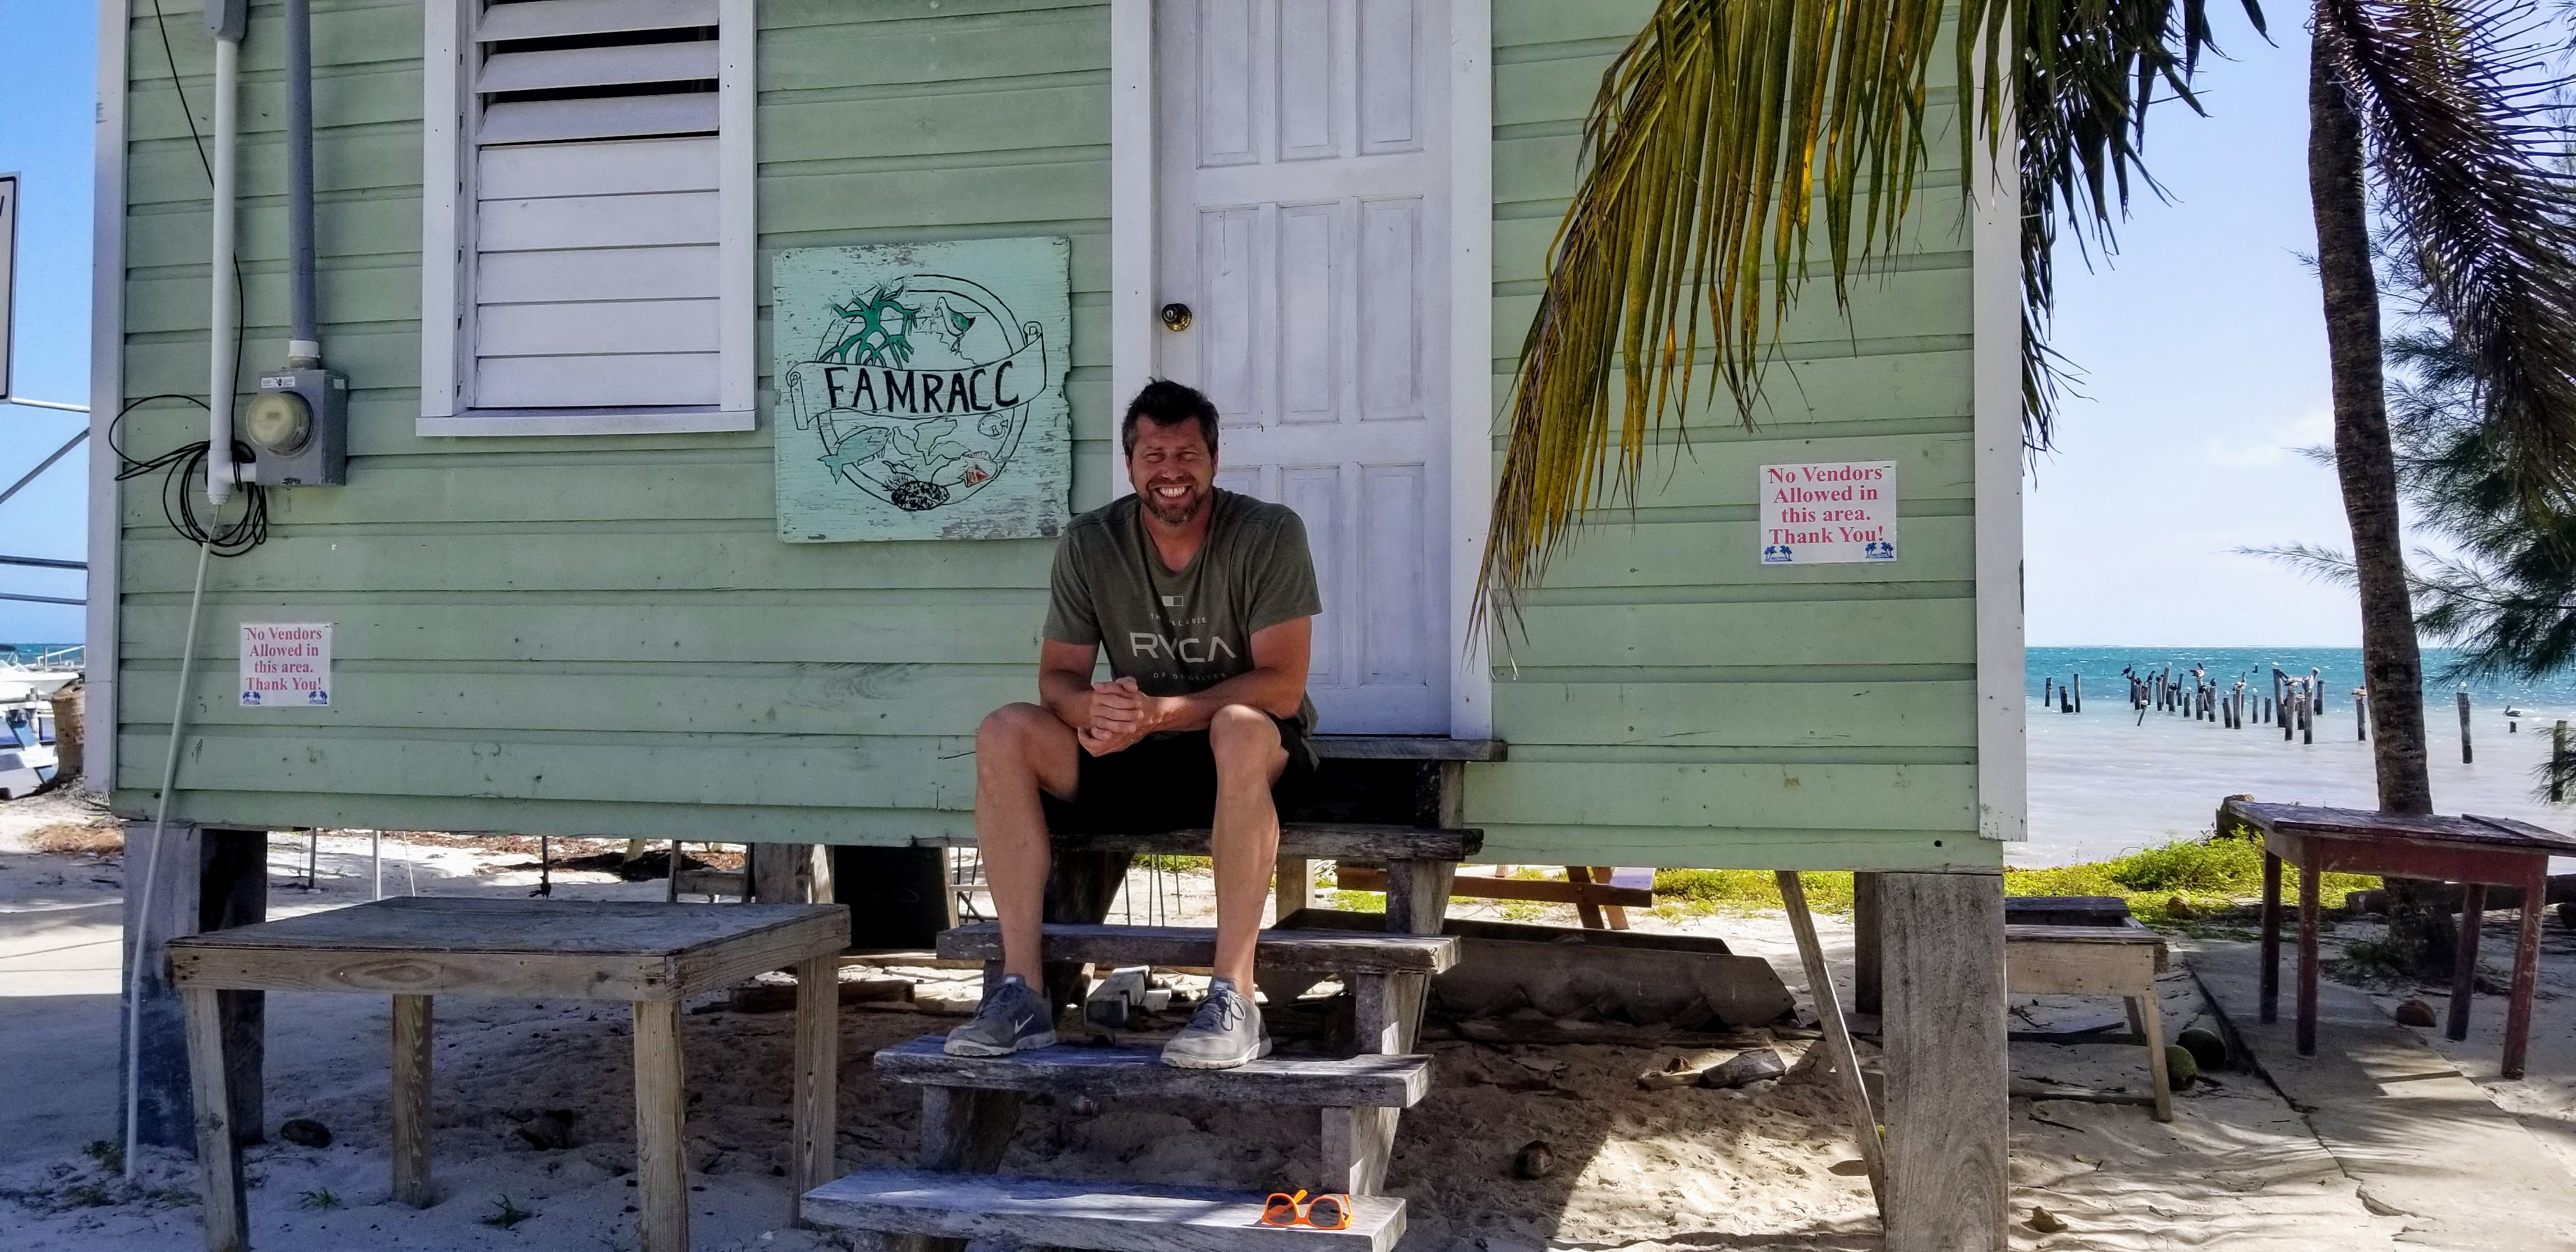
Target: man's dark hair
<point>1167,403</point>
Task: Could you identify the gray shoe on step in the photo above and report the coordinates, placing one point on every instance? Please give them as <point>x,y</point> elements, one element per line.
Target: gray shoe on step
<point>1013,1019</point>
<point>1225,1032</point>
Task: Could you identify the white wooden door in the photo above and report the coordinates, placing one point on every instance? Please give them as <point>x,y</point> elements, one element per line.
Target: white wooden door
<point>1301,153</point>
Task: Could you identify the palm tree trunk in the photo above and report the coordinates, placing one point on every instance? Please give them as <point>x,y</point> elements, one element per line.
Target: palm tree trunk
<point>2391,664</point>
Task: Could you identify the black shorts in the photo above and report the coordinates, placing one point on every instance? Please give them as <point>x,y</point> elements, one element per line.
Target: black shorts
<point>1166,782</point>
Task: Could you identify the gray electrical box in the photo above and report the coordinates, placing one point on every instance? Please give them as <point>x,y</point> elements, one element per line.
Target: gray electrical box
<point>298,429</point>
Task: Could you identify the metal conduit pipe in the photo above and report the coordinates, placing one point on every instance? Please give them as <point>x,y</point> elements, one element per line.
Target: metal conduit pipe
<point>226,316</point>
<point>304,344</point>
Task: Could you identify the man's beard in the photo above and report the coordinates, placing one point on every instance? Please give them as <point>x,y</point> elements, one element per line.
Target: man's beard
<point>1178,513</point>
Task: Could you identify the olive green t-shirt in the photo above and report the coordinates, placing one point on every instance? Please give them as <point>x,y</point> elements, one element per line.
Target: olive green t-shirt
<point>1177,633</point>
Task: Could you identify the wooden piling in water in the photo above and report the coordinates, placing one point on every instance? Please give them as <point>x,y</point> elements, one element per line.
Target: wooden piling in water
<point>2361,714</point>
<point>2307,720</point>
<point>2466,757</point>
<point>2079,693</point>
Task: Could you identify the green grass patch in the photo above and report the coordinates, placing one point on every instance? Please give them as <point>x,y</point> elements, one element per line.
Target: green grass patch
<point>2203,874</point>
<point>1175,864</point>
<point>1747,890</point>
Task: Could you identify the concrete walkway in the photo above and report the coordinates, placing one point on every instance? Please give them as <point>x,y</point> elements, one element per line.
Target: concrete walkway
<point>2425,1144</point>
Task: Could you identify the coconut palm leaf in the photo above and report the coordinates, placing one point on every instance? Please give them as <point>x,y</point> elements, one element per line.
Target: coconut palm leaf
<point>1717,139</point>
<point>2464,150</point>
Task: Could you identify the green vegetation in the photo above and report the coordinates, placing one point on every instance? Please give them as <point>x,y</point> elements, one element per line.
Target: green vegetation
<point>1176,864</point>
<point>320,1200</point>
<point>109,1154</point>
<point>506,1214</point>
<point>2203,875</point>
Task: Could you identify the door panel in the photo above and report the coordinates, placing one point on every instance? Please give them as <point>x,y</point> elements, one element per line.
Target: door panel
<point>1302,157</point>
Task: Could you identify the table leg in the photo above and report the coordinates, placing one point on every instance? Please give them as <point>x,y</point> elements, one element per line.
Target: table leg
<point>818,1063</point>
<point>662,1179</point>
<point>409,1087</point>
<point>2526,967</point>
<point>2308,887</point>
<point>2464,969</point>
<point>2270,998</point>
<point>218,1156</point>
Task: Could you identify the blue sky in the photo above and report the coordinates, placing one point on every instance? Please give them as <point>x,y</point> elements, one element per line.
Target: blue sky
<point>47,98</point>
<point>2202,345</point>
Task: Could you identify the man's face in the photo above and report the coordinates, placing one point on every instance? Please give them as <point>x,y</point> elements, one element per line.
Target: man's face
<point>1172,469</point>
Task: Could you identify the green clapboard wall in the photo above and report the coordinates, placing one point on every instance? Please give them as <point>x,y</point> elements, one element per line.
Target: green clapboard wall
<point>603,635</point>
<point>1671,701</point>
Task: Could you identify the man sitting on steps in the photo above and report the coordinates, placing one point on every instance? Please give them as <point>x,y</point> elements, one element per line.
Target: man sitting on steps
<point>1205,601</point>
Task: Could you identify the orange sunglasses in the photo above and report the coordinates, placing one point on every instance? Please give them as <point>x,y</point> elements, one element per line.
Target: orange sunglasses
<point>1324,1212</point>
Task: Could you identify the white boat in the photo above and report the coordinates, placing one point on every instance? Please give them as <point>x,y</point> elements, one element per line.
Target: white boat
<point>20,681</point>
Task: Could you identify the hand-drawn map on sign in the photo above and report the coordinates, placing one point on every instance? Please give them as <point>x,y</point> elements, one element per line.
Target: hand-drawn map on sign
<point>921,390</point>
<point>1821,514</point>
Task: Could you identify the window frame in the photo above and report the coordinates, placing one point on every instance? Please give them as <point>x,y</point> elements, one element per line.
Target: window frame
<point>447,102</point>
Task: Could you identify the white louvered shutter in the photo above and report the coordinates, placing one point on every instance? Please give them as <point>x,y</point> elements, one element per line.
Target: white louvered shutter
<point>591,153</point>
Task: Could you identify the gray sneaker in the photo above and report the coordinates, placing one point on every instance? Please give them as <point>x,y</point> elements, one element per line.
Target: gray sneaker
<point>1225,1032</point>
<point>1013,1018</point>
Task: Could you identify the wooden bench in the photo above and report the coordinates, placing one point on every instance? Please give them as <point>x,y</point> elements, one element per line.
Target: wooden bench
<point>652,956</point>
<point>2121,960</point>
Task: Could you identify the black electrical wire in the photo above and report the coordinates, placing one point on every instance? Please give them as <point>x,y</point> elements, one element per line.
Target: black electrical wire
<point>181,469</point>
<point>185,466</point>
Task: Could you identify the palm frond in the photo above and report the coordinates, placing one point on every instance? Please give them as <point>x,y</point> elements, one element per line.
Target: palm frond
<point>1720,135</point>
<point>2459,120</point>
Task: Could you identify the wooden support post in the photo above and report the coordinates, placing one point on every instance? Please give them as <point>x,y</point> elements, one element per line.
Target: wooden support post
<point>2079,693</point>
<point>1357,1145</point>
<point>2307,1031</point>
<point>791,873</point>
<point>1417,896</point>
<point>1865,943</point>
<point>407,1089</point>
<point>2465,756</point>
<point>2464,966</point>
<point>963,1131</point>
<point>1585,911</point>
<point>1948,1076</point>
<point>2361,715</point>
<point>1615,914</point>
<point>2147,1018</point>
<point>218,1145</point>
<point>1295,885</point>
<point>2268,999</point>
<point>2526,969</point>
<point>817,1082</point>
<point>1838,1045</point>
<point>661,1143</point>
<point>199,880</point>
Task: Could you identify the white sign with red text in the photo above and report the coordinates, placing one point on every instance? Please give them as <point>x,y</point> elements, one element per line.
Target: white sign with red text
<point>286,665</point>
<point>1826,513</point>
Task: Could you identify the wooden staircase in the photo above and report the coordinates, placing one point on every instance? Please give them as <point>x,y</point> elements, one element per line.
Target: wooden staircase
<point>970,1105</point>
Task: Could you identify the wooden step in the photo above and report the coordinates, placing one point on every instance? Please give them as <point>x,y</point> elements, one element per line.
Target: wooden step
<point>1312,951</point>
<point>1109,1216</point>
<point>1391,1082</point>
<point>1320,841</point>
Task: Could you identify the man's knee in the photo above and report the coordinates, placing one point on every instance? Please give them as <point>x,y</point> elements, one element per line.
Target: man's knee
<point>1009,733</point>
<point>1243,737</point>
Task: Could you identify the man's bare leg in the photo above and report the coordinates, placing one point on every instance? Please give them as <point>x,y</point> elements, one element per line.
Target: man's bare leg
<point>1245,843</point>
<point>1020,750</point>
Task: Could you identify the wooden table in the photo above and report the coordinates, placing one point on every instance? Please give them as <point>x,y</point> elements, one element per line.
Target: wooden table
<point>2476,852</point>
<point>651,955</point>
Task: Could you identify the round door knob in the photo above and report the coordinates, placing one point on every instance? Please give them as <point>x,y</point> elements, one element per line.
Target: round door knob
<point>1176,316</point>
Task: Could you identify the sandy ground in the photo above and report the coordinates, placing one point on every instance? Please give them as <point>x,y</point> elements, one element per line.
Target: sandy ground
<point>1763,1167</point>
